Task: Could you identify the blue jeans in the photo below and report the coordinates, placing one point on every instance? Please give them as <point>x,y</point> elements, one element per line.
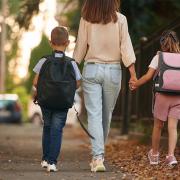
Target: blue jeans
<point>101,86</point>
<point>54,122</point>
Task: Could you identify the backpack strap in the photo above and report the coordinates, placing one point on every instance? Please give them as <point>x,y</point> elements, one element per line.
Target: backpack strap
<point>160,55</point>
<point>69,59</point>
<point>160,59</point>
<point>43,68</point>
<point>35,101</point>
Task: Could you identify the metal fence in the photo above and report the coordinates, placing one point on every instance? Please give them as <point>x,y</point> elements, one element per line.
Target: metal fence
<point>138,105</point>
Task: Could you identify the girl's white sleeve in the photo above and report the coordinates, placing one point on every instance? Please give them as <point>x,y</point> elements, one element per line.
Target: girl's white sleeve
<point>154,62</point>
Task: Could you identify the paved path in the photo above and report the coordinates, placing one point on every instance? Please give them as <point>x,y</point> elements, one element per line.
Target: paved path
<point>20,154</point>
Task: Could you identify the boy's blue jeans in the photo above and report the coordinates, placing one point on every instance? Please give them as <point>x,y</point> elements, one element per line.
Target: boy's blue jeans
<point>54,122</point>
<point>101,86</point>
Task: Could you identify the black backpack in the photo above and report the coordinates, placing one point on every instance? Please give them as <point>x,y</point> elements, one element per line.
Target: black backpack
<point>56,85</point>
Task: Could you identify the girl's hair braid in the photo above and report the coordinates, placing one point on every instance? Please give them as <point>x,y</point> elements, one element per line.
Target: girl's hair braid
<point>170,42</point>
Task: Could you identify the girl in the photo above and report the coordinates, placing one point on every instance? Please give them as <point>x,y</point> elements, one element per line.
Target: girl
<point>166,107</point>
<point>103,41</point>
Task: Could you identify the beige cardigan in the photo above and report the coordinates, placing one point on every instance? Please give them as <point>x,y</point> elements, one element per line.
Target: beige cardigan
<point>108,43</point>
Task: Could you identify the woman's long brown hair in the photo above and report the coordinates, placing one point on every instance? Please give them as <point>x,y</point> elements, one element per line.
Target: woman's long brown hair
<point>100,11</point>
<point>170,42</point>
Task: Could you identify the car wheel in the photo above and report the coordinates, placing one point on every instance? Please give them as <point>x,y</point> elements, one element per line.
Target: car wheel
<point>19,121</point>
<point>36,119</point>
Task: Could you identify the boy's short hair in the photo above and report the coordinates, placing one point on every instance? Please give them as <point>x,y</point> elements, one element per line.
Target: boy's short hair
<point>59,36</point>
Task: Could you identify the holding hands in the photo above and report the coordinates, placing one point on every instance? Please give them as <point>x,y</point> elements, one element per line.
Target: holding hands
<point>133,78</point>
<point>133,85</point>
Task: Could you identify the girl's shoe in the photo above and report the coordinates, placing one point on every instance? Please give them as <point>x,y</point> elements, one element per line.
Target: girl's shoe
<point>44,164</point>
<point>153,159</point>
<point>171,160</point>
<point>52,168</point>
<point>97,165</point>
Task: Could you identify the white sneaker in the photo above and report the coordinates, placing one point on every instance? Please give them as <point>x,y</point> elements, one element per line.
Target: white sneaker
<point>52,168</point>
<point>44,164</point>
<point>97,165</point>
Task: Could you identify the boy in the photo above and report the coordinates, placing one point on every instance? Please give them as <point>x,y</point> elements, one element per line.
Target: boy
<point>54,120</point>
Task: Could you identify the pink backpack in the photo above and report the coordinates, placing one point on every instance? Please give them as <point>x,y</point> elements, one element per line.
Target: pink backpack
<point>167,77</point>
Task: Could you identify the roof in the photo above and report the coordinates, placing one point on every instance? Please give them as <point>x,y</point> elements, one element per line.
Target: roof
<point>9,97</point>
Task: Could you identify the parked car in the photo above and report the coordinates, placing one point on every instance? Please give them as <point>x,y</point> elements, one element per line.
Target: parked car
<point>34,113</point>
<point>10,109</point>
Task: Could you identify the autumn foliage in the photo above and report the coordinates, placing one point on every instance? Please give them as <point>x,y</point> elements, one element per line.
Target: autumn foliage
<point>131,157</point>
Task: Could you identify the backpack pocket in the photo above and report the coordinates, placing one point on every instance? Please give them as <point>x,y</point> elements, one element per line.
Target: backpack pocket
<point>171,80</point>
<point>57,95</point>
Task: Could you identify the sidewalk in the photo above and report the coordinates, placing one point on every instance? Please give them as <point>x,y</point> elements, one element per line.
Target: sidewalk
<point>20,155</point>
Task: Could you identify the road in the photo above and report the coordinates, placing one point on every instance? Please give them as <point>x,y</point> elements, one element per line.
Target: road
<point>20,156</point>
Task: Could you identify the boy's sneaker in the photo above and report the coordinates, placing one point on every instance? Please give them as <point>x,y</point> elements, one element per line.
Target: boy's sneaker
<point>44,164</point>
<point>153,159</point>
<point>97,165</point>
<point>52,168</point>
<point>171,160</point>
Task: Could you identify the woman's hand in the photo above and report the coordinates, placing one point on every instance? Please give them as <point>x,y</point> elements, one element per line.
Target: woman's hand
<point>133,77</point>
<point>133,83</point>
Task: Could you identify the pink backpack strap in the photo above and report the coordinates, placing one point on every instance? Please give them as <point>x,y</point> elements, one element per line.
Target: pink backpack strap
<point>160,55</point>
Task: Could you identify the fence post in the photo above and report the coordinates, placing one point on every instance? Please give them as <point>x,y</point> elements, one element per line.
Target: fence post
<point>127,112</point>
<point>126,103</point>
<point>138,70</point>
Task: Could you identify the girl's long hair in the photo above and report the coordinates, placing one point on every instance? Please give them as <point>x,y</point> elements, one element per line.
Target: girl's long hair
<point>170,42</point>
<point>100,11</point>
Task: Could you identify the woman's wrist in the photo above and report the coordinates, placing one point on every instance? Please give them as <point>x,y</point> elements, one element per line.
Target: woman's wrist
<point>133,75</point>
<point>132,70</point>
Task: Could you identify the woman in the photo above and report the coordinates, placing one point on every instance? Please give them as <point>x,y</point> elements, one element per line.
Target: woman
<point>103,41</point>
